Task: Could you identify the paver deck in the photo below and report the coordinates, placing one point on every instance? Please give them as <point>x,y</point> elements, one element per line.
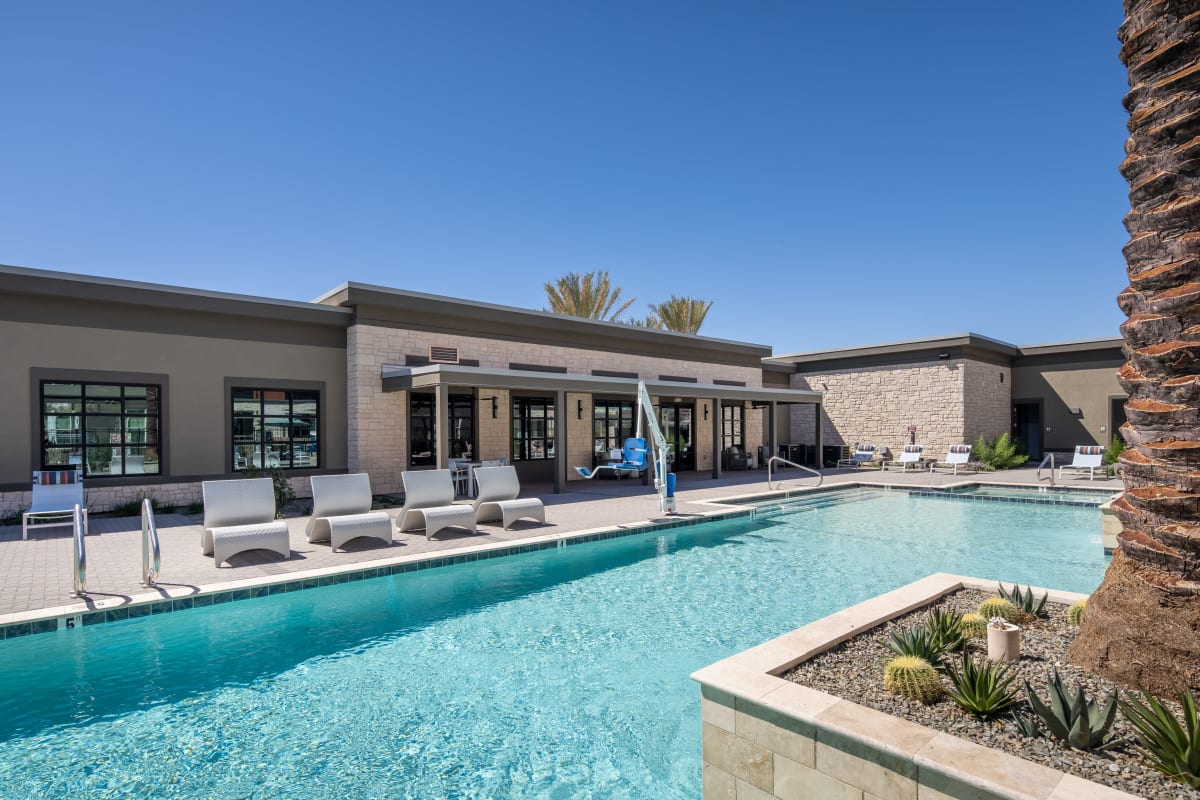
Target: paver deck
<point>35,575</point>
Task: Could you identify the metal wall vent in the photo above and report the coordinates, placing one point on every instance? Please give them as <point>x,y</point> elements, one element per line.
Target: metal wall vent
<point>443,355</point>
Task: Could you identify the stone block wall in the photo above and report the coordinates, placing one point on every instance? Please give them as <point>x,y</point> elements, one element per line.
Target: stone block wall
<point>494,441</point>
<point>579,434</point>
<point>987,400</point>
<point>376,424</point>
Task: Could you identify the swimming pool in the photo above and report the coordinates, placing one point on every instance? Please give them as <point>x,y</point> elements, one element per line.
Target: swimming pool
<point>558,673</point>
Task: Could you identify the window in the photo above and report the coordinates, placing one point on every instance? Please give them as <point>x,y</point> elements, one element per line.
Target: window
<point>731,427</point>
<point>422,428</point>
<point>275,428</point>
<point>105,428</point>
<point>533,429</point>
<point>613,422</point>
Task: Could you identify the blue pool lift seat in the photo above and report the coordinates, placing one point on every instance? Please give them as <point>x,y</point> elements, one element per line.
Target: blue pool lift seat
<point>633,455</point>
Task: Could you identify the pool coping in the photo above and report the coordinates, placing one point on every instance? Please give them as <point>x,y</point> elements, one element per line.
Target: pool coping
<point>785,739</point>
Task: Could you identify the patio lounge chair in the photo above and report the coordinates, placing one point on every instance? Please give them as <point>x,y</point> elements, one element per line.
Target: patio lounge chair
<point>239,515</point>
<point>56,492</point>
<point>429,503</point>
<point>1087,457</point>
<point>498,490</point>
<point>862,454</point>
<point>633,455</point>
<point>342,511</point>
<point>959,455</point>
<point>910,456</point>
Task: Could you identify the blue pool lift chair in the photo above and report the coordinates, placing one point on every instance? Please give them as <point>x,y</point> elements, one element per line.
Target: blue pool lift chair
<point>633,455</point>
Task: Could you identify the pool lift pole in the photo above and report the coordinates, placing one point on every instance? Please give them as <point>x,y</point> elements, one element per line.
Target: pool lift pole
<point>664,481</point>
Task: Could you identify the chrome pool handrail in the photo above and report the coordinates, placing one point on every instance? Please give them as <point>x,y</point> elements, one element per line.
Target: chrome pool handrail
<point>79,572</point>
<point>771,461</point>
<point>1048,457</point>
<point>151,555</point>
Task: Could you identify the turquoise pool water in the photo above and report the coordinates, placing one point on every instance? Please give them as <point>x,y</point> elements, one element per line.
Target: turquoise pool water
<point>1081,494</point>
<point>556,674</point>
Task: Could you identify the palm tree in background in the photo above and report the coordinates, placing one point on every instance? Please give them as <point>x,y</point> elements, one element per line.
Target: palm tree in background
<point>586,295</point>
<point>679,314</point>
<point>1142,626</point>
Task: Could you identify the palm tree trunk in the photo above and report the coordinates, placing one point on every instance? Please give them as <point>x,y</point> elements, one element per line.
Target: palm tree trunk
<point>1142,626</point>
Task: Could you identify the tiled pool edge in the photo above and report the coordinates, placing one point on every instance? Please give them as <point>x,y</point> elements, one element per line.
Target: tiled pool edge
<point>48,620</point>
<point>765,736</point>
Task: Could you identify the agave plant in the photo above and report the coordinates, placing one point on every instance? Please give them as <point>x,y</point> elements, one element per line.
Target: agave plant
<point>982,688</point>
<point>1024,600</point>
<point>946,626</point>
<point>1170,748</point>
<point>1076,720</point>
<point>918,641</point>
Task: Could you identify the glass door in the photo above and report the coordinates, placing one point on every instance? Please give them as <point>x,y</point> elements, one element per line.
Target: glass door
<point>676,421</point>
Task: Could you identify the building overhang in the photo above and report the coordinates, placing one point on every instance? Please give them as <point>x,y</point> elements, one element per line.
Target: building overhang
<point>399,379</point>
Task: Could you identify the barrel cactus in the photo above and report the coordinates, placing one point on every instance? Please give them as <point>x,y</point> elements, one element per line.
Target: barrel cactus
<point>974,626</point>
<point>912,677</point>
<point>999,607</point>
<point>1075,612</point>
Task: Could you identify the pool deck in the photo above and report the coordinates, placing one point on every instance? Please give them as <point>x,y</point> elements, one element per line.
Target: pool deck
<point>36,582</point>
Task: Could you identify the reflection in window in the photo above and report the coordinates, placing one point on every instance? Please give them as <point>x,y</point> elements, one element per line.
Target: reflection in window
<point>422,428</point>
<point>533,429</point>
<point>612,422</point>
<point>103,428</point>
<point>732,427</point>
<point>275,428</point>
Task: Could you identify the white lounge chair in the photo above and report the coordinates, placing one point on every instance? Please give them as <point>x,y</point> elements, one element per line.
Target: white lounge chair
<point>239,515</point>
<point>959,455</point>
<point>910,456</point>
<point>1087,457</point>
<point>342,511</point>
<point>56,492</point>
<point>498,490</point>
<point>862,454</point>
<point>429,503</point>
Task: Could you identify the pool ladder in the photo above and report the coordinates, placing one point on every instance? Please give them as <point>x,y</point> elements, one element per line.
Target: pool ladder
<point>79,553</point>
<point>771,462</point>
<point>151,556</point>
<point>1050,459</point>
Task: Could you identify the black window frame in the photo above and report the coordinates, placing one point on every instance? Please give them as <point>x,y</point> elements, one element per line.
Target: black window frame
<point>733,427</point>
<point>524,444</point>
<point>422,414</point>
<point>89,451</point>
<point>614,411</point>
<point>315,439</point>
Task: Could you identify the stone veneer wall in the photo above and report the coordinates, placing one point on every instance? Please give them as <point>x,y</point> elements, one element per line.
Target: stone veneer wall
<point>950,402</point>
<point>104,498</point>
<point>579,433</point>
<point>377,424</point>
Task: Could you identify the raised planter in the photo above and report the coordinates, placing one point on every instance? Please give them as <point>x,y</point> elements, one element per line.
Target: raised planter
<point>766,737</point>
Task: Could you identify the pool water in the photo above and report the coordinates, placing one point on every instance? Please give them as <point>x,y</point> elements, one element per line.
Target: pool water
<point>1096,496</point>
<point>561,673</point>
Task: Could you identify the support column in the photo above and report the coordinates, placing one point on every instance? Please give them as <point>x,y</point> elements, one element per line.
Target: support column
<point>560,441</point>
<point>772,443</point>
<point>820,450</point>
<point>441,424</point>
<point>406,426</point>
<point>716,436</point>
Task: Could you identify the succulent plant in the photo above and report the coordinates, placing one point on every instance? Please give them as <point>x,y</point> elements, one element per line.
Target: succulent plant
<point>1024,600</point>
<point>974,626</point>
<point>999,607</point>
<point>981,687</point>
<point>912,677</point>
<point>1026,724</point>
<point>1170,748</point>
<point>918,641</point>
<point>1073,718</point>
<point>1075,612</point>
<point>946,627</point>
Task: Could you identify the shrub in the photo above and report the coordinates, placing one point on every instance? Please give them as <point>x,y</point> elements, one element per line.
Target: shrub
<point>196,507</point>
<point>1170,748</point>
<point>1003,452</point>
<point>163,508</point>
<point>130,508</point>
<point>981,687</point>
<point>1112,454</point>
<point>284,493</point>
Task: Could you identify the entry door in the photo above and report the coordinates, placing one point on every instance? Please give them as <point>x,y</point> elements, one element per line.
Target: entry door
<point>1027,426</point>
<point>1116,417</point>
<point>676,421</point>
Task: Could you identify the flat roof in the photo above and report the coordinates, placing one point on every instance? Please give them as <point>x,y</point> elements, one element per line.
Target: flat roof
<point>974,340</point>
<point>397,378</point>
<point>1074,346</point>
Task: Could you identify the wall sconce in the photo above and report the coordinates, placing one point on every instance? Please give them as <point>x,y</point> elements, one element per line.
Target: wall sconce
<point>1076,411</point>
<point>495,406</point>
<point>1002,377</point>
<point>579,409</point>
<point>706,410</point>
<point>943,356</point>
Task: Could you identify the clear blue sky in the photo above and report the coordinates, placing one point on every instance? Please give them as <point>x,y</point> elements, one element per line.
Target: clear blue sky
<point>831,174</point>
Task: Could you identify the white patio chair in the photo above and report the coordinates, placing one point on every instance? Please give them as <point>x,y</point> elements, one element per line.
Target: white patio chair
<point>460,473</point>
<point>1087,457</point>
<point>498,490</point>
<point>56,492</point>
<point>239,515</point>
<point>910,456</point>
<point>862,454</point>
<point>429,503</point>
<point>342,511</point>
<point>959,455</point>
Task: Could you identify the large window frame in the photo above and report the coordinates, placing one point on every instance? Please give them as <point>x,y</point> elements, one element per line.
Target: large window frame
<point>275,427</point>
<point>422,428</point>
<point>133,411</point>
<point>613,421</point>
<point>733,427</point>
<point>533,429</point>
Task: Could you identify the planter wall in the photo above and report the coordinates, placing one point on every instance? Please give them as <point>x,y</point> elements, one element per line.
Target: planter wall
<point>766,737</point>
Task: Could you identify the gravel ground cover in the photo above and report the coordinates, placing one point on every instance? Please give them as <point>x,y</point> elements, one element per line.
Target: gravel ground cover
<point>854,671</point>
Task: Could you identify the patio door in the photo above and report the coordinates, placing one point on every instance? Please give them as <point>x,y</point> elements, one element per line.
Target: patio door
<point>1027,426</point>
<point>676,421</point>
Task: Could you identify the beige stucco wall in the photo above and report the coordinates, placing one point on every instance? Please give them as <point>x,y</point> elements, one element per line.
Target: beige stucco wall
<point>949,401</point>
<point>1060,387</point>
<point>196,367</point>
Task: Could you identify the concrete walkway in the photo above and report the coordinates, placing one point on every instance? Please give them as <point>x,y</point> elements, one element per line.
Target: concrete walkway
<point>35,575</point>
